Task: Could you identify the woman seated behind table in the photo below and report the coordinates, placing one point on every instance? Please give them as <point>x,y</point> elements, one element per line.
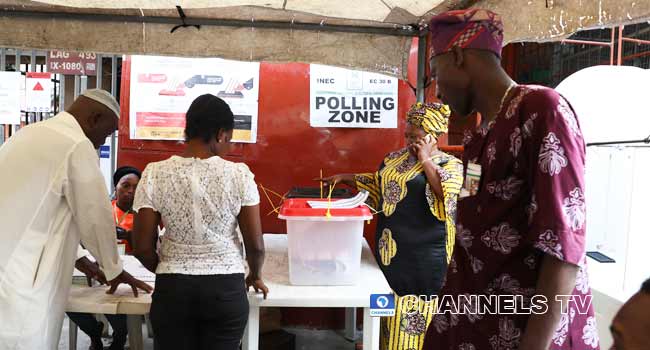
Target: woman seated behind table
<point>200,300</point>
<point>415,190</point>
<point>125,181</point>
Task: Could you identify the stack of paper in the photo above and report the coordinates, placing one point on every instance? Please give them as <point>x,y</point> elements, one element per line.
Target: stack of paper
<point>136,269</point>
<point>130,264</point>
<point>348,203</point>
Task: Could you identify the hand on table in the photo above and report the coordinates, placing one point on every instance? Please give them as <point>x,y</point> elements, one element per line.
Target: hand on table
<point>91,270</point>
<point>126,278</point>
<point>257,284</point>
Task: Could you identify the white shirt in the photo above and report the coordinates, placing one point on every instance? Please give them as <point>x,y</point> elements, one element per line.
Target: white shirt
<point>52,194</point>
<point>198,201</point>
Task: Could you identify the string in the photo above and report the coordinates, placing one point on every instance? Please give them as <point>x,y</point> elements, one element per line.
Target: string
<point>282,197</point>
<point>373,210</point>
<point>328,214</point>
<point>275,209</point>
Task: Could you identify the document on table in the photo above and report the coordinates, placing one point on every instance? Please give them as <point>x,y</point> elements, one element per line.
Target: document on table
<point>137,270</point>
<point>130,264</point>
<point>348,203</point>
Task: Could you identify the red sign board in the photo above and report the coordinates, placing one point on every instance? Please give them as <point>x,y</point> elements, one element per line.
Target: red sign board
<point>72,63</point>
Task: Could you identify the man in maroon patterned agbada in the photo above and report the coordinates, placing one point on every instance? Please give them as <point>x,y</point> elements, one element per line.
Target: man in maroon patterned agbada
<point>523,232</point>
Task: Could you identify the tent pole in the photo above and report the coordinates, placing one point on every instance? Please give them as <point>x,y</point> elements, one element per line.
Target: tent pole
<point>422,68</point>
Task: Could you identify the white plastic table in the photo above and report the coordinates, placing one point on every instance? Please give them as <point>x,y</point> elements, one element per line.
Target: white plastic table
<point>283,294</point>
<point>94,300</point>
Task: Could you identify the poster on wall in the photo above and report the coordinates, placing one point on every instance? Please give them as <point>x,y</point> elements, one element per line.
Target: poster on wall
<point>38,92</point>
<point>344,98</point>
<point>10,97</point>
<point>162,89</point>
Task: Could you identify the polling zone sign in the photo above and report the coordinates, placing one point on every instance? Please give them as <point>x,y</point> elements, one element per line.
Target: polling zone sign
<point>343,98</point>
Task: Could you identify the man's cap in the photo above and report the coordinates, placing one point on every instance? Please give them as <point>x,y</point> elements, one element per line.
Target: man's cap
<point>467,29</point>
<point>103,97</point>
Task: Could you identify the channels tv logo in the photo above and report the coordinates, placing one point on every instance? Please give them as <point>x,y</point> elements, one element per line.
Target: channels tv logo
<point>382,305</point>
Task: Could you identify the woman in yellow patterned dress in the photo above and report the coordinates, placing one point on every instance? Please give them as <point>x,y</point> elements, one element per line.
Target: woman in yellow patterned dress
<point>415,190</point>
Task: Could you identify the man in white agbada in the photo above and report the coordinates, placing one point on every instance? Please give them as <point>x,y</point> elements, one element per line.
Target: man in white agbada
<point>52,195</point>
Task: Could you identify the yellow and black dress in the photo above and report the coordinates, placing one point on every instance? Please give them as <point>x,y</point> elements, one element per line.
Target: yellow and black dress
<point>414,240</point>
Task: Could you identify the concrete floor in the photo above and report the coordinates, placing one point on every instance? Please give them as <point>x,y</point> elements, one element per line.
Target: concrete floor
<point>306,339</point>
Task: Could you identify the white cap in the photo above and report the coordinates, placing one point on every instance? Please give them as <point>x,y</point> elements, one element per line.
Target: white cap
<point>103,97</point>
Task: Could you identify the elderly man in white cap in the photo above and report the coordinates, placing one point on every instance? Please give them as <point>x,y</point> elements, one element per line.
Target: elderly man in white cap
<point>52,196</point>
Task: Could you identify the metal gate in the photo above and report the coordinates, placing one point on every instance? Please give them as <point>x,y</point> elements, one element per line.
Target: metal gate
<point>66,89</point>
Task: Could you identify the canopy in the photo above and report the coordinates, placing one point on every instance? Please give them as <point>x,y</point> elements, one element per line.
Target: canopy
<point>611,102</point>
<point>373,35</point>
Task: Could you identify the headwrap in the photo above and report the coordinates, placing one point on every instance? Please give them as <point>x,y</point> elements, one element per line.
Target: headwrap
<point>105,98</point>
<point>467,29</point>
<point>433,118</point>
<point>123,171</point>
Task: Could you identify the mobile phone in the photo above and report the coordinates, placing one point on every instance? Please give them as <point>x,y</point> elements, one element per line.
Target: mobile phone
<point>600,257</point>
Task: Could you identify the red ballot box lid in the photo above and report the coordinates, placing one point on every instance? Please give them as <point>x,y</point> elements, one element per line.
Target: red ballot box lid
<point>298,207</point>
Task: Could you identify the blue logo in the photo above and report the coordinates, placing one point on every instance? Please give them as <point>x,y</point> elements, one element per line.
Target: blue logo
<point>104,151</point>
<point>382,305</point>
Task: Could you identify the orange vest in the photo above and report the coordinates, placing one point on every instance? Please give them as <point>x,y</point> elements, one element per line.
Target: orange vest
<point>125,221</point>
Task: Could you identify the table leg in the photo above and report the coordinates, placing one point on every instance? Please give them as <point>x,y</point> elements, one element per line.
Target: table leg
<point>350,324</point>
<point>252,332</point>
<point>134,324</point>
<point>72,335</point>
<point>370,331</point>
<point>147,321</point>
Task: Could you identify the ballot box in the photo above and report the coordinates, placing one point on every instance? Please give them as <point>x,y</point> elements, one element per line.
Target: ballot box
<point>324,244</point>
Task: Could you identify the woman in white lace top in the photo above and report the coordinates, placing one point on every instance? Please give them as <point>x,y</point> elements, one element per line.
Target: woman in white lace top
<point>200,299</point>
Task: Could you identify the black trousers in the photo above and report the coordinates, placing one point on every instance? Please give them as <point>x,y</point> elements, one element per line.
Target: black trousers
<point>93,328</point>
<point>207,312</point>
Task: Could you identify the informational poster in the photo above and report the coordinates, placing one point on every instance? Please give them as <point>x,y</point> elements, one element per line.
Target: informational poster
<point>343,98</point>
<point>10,97</point>
<point>38,92</point>
<point>162,89</point>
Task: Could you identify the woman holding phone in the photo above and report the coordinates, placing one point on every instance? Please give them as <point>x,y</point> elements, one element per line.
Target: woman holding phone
<point>415,192</point>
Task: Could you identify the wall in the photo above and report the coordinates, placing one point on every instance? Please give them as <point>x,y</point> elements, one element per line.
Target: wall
<point>288,151</point>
